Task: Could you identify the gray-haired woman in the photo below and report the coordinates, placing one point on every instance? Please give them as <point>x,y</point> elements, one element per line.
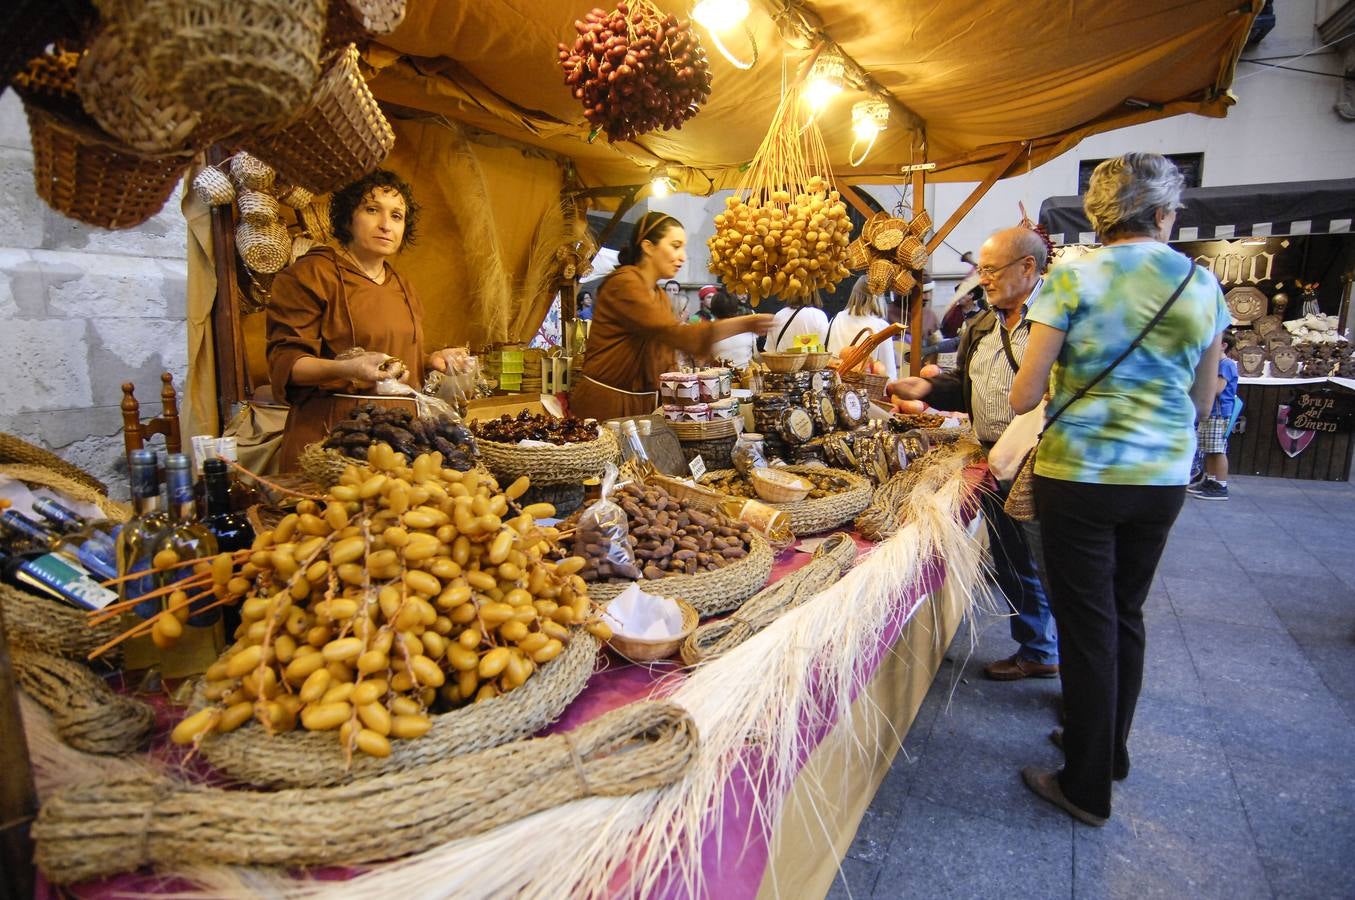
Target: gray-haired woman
<point>1110,473</point>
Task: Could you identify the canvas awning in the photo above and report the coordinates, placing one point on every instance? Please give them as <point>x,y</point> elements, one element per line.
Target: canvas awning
<point>1234,211</point>
<point>970,79</point>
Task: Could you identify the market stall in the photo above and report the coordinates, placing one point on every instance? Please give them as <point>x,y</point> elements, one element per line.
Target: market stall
<point>409,621</point>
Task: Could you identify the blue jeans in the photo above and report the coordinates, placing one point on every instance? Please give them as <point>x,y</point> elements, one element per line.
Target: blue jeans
<point>1018,569</point>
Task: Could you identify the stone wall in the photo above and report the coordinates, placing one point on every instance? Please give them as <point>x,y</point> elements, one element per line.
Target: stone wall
<point>82,310</point>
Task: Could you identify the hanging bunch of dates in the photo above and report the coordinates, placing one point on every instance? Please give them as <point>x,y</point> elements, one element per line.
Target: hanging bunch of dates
<point>636,69</point>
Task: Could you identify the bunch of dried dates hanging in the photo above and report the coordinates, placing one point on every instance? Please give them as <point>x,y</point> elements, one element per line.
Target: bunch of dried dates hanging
<point>636,69</point>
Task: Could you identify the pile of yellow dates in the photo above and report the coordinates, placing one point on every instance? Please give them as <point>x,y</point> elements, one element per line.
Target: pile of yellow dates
<point>411,589</point>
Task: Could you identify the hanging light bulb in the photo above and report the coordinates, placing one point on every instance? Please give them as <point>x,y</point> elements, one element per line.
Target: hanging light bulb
<point>720,15</point>
<point>869,118</point>
<point>661,184</point>
<point>826,79</point>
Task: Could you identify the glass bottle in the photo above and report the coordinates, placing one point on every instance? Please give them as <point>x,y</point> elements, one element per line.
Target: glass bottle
<point>93,556</point>
<point>55,576</point>
<point>232,529</point>
<point>243,493</point>
<point>187,538</point>
<point>97,539</point>
<point>135,551</point>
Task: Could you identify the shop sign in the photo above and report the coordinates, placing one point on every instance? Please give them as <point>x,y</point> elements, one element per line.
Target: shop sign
<point>1322,409</point>
<point>1293,441</point>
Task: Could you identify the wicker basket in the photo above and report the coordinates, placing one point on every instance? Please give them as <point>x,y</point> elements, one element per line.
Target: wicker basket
<point>873,225</point>
<point>638,649</point>
<point>16,451</point>
<point>920,225</point>
<point>878,275</point>
<point>911,253</point>
<point>341,136</point>
<point>250,63</point>
<point>85,175</point>
<point>296,197</point>
<point>783,363</point>
<point>776,486</point>
<point>704,431</point>
<point>903,281</point>
<point>311,759</point>
<point>378,16</point>
<point>264,248</point>
<point>858,257</point>
<point>315,220</point>
<point>48,80</point>
<point>873,386</point>
<point>708,592</point>
<point>213,187</point>
<point>128,102</point>
<point>30,25</point>
<point>251,173</point>
<point>822,513</point>
<point>565,464</point>
<point>890,235</point>
<point>257,207</point>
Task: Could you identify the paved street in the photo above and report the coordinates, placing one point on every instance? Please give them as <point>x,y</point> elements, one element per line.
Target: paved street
<point>1243,749</point>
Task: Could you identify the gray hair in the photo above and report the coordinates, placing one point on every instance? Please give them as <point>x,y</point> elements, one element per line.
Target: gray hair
<point>862,302</point>
<point>1126,192</point>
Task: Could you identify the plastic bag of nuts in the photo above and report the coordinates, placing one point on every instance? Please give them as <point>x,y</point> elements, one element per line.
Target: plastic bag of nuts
<point>603,539</point>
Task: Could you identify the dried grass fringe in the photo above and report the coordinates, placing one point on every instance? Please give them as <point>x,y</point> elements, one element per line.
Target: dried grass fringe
<point>803,668</point>
<point>85,713</point>
<point>119,824</point>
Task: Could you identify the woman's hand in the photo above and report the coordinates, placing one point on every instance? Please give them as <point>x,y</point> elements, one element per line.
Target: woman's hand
<point>365,370</point>
<point>759,323</point>
<point>456,360</point>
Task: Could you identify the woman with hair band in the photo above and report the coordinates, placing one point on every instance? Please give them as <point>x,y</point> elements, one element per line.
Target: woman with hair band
<point>336,299</point>
<point>634,332</point>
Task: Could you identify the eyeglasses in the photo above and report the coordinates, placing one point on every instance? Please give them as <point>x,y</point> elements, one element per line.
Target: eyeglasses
<point>990,271</point>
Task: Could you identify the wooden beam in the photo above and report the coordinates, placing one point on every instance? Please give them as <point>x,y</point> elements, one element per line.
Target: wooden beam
<point>856,200</point>
<point>627,202</point>
<point>1003,166</point>
<point>916,337</point>
<point>228,344</point>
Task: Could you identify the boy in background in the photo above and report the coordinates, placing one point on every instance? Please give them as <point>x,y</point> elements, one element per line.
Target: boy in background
<point>1213,431</point>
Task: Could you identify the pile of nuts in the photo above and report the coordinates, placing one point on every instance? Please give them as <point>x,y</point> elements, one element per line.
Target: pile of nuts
<point>526,426</point>
<point>776,245</point>
<point>412,588</point>
<point>405,433</point>
<point>670,538</point>
<point>636,69</point>
<point>825,481</point>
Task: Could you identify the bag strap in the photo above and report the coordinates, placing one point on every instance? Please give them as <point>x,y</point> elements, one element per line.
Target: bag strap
<point>782,333</point>
<point>1007,346</point>
<point>1128,350</point>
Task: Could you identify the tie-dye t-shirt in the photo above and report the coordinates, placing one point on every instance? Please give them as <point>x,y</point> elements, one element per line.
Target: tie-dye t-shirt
<point>1137,425</point>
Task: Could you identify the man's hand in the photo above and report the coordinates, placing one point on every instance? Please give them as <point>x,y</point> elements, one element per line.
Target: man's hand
<point>909,388</point>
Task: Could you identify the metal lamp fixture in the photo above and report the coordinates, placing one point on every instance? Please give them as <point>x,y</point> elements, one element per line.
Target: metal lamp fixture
<point>869,118</point>
<point>826,79</point>
<point>718,16</point>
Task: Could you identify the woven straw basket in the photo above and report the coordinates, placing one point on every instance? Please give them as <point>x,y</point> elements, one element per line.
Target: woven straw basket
<point>119,93</point>
<point>296,197</point>
<point>879,274</point>
<point>87,176</point>
<point>341,136</point>
<point>889,235</point>
<point>48,80</point>
<point>823,513</point>
<point>311,759</point>
<point>378,16</point>
<point>708,592</point>
<point>637,649</point>
<point>264,248</point>
<point>873,225</point>
<point>911,253</point>
<point>903,281</point>
<point>920,225</point>
<point>315,220</point>
<point>257,207</point>
<point>16,451</point>
<point>858,257</point>
<point>249,63</point>
<point>213,187</point>
<point>251,173</point>
<point>565,464</point>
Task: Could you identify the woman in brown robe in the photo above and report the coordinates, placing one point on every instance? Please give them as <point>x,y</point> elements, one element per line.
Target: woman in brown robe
<point>634,332</point>
<point>334,300</point>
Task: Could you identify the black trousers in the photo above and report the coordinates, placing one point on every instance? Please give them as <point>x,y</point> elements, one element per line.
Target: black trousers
<point>1102,543</point>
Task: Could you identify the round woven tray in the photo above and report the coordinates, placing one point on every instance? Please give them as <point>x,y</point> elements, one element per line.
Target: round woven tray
<point>564,464</point>
<point>708,592</point>
<point>823,513</point>
<point>312,759</point>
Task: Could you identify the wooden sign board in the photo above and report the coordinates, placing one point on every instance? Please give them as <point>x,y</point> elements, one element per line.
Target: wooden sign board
<point>1322,409</point>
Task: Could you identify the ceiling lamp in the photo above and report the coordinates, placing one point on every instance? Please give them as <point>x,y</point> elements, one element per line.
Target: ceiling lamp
<point>826,79</point>
<point>718,16</point>
<point>661,184</point>
<point>869,118</point>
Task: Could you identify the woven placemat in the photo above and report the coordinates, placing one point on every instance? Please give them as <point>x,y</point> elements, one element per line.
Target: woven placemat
<point>312,759</point>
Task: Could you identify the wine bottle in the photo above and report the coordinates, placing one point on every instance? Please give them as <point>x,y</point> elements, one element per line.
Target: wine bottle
<point>55,576</point>
<point>91,555</point>
<point>96,537</point>
<point>243,494</point>
<point>137,539</point>
<point>182,539</point>
<point>232,529</point>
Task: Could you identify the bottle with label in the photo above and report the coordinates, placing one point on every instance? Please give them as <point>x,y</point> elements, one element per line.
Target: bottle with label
<point>55,576</point>
<point>92,555</point>
<point>243,492</point>
<point>97,538</point>
<point>185,538</point>
<point>232,529</point>
<point>135,552</point>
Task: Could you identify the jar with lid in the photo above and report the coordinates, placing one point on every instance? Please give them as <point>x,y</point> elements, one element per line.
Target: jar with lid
<point>749,452</point>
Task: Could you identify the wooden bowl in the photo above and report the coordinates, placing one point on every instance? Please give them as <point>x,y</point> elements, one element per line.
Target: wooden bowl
<point>652,649</point>
<point>784,363</point>
<point>776,486</point>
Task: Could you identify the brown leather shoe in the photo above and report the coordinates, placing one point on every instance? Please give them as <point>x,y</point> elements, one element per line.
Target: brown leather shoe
<point>1045,784</point>
<point>1014,668</point>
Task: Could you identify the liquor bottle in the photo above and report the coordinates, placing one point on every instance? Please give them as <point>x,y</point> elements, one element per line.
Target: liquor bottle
<point>135,552</point>
<point>204,448</point>
<point>187,539</point>
<point>94,557</point>
<point>232,529</point>
<point>96,537</point>
<point>243,493</point>
<point>54,576</point>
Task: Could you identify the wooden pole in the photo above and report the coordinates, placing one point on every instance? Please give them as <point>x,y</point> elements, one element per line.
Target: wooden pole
<point>18,797</point>
<point>856,200</point>
<point>1003,166</point>
<point>915,298</point>
<point>228,342</point>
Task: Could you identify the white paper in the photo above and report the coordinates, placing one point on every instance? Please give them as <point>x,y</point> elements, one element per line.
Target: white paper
<point>636,614</point>
<point>525,443</point>
<point>809,545</point>
<point>697,467</point>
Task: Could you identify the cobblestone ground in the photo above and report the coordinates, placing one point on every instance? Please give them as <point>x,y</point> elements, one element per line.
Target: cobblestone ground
<point>1243,781</point>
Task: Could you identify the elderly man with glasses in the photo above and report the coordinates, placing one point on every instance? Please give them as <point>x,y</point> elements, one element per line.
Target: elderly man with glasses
<point>1011,263</point>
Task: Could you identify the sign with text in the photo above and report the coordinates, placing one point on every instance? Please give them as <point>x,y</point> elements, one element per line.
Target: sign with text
<point>1323,410</point>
